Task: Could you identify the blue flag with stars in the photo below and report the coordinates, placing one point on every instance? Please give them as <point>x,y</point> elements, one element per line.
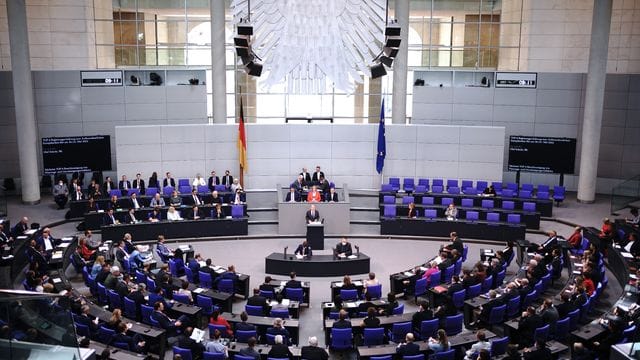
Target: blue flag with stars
<point>382,142</point>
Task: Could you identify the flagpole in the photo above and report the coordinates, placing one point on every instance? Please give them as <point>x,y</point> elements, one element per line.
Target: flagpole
<point>240,162</point>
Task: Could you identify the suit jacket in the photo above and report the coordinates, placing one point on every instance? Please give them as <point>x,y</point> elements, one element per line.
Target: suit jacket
<point>332,197</point>
<point>342,324</point>
<point>138,184</point>
<point>186,342</point>
<point>280,351</point>
<point>212,182</point>
<point>549,244</point>
<point>122,183</point>
<point>169,182</point>
<point>138,297</point>
<point>306,176</point>
<point>19,229</point>
<point>316,176</point>
<point>293,284</point>
<point>313,353</point>
<point>192,201</point>
<point>40,242</point>
<point>112,186</point>
<point>257,300</point>
<point>77,196</point>
<point>108,220</point>
<point>243,326</point>
<point>227,180</point>
<point>311,218</point>
<point>538,354</point>
<point>420,316</point>
<point>250,352</point>
<point>346,249</point>
<point>303,250</point>
<point>296,197</point>
<point>564,309</point>
<point>132,205</point>
<point>163,320</point>
<point>408,349</point>
<point>527,327</point>
<point>299,185</point>
<point>159,202</point>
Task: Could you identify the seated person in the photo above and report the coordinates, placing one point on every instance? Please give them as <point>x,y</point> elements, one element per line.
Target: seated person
<point>527,326</point>
<point>424,313</point>
<point>173,214</point>
<point>635,217</point>
<point>292,196</point>
<point>175,199</point>
<point>186,342</point>
<point>259,300</point>
<point>238,197</point>
<point>215,198</point>
<point>343,249</point>
<point>195,213</point>
<point>217,212</point>
<point>170,325</point>
<point>300,184</point>
<point>332,195</point>
<point>195,198</point>
<point>304,250</point>
<point>575,240</point>
<point>482,344</point>
<point>110,218</point>
<point>279,329</point>
<point>279,350</point>
<point>135,343</point>
<point>451,213</point>
<point>157,201</point>
<point>313,352</point>
<point>412,212</point>
<point>342,322</point>
<point>293,283</point>
<point>371,321</point>
<point>489,191</point>
<point>216,346</point>
<point>131,217</point>
<point>441,343</point>
<point>243,325</point>
<point>217,319</point>
<point>314,195</point>
<point>408,347</point>
<point>163,250</point>
<point>155,215</point>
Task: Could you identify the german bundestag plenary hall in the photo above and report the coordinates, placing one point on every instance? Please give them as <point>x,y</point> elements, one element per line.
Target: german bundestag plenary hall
<point>320,179</point>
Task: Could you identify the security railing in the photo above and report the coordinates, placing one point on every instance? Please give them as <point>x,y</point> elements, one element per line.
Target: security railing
<point>625,193</point>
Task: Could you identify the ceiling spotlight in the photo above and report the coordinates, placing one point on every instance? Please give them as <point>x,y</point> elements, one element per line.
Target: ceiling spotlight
<point>377,70</point>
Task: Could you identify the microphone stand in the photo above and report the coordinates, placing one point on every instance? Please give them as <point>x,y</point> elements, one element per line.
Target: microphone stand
<point>285,252</point>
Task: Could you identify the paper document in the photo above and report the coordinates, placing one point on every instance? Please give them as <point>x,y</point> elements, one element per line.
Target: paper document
<point>198,290</point>
<point>352,257</point>
<point>197,335</point>
<point>408,273</point>
<point>298,256</point>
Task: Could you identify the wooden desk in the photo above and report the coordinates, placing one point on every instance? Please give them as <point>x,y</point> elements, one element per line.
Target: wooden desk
<point>264,322</point>
<point>306,290</point>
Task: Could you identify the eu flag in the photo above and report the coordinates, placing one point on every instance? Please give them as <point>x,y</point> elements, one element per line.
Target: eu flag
<point>382,143</point>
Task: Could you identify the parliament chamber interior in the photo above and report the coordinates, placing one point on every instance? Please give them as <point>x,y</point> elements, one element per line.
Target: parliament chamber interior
<point>307,179</point>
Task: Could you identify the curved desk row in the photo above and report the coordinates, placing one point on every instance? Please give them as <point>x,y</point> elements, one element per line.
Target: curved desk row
<point>93,220</point>
<point>498,231</point>
<point>544,206</point>
<point>177,229</point>
<point>317,266</point>
<point>530,218</point>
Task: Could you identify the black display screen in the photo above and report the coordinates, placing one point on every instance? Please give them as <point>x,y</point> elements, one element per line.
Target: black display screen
<point>76,153</point>
<point>542,154</point>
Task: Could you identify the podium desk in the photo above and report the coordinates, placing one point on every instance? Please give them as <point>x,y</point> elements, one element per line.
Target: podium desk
<point>317,266</point>
<point>315,235</point>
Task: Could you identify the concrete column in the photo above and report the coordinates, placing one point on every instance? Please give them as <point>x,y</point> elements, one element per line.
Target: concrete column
<point>399,102</point>
<point>594,100</point>
<point>24,101</point>
<point>218,65</point>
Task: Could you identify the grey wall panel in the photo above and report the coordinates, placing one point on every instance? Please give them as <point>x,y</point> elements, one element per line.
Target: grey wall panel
<point>183,168</point>
<point>65,96</point>
<point>401,134</point>
<point>433,95</point>
<point>611,152</point>
<point>145,169</point>
<point>437,169</point>
<point>634,101</point>
<point>103,113</point>
<point>6,80</point>
<point>139,153</point>
<point>436,111</point>
<point>515,97</point>
<point>555,115</point>
<point>183,151</point>
<point>153,112</point>
<point>402,151</point>
<point>348,133</point>
<point>559,98</point>
<point>182,134</point>
<point>354,167</point>
<point>7,115</point>
<point>472,112</point>
<point>185,94</point>
<point>59,114</point>
<point>6,97</point>
<point>471,95</point>
<point>616,100</point>
<point>478,171</point>
<point>361,150</point>
<point>310,133</point>
<point>515,128</point>
<point>60,130</point>
<point>145,95</point>
<point>633,119</point>
<point>556,130</point>
<point>306,149</point>
<point>514,114</point>
<point>221,150</point>
<point>268,150</point>
<point>631,136</point>
<point>611,135</point>
<point>631,153</point>
<point>614,117</point>
<point>629,170</point>
<point>481,153</point>
<point>440,152</point>
<point>56,79</point>
<point>9,134</point>
<point>438,134</point>
<point>102,128</point>
<point>481,135</point>
<point>102,95</point>
<point>617,82</point>
<point>560,81</point>
<point>261,133</point>
<point>138,135</point>
<point>176,111</point>
<point>261,167</point>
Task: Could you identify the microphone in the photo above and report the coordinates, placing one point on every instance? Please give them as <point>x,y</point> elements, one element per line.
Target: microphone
<point>322,221</point>
<point>285,252</point>
<point>357,250</point>
<point>335,253</point>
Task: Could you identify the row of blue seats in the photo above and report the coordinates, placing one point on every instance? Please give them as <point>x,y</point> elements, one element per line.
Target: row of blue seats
<point>466,187</point>
<point>168,190</point>
<point>391,211</point>
<point>486,203</point>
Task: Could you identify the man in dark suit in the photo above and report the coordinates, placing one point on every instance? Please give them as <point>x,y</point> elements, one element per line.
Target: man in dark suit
<point>343,248</point>
<point>110,218</point>
<point>423,314</point>
<point>227,179</point>
<point>313,352</point>
<point>138,183</point>
<point>456,243</point>
<point>527,326</point>
<point>566,306</point>
<point>213,181</point>
<point>124,184</point>
<point>332,195</point>
<point>168,180</point>
<point>293,283</point>
<point>243,325</point>
<point>408,348</point>
<point>306,177</point>
<point>77,194</point>
<point>250,350</point>
<point>46,242</point>
<point>304,249</point>
<point>312,215</point>
<point>86,320</point>
<point>317,175</point>
<point>483,313</point>
<point>258,300</point>
<point>20,227</point>
<point>194,199</point>
<point>138,294</point>
<point>279,350</point>
<point>548,244</point>
<point>186,342</point>
<point>538,352</point>
<point>445,263</point>
<point>170,325</point>
<point>134,343</point>
<point>292,195</point>
<point>342,322</point>
<point>455,286</point>
<point>108,186</point>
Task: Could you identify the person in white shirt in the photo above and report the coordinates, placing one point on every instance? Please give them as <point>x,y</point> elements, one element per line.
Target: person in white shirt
<point>238,197</point>
<point>480,345</point>
<point>635,220</point>
<point>184,290</point>
<point>172,214</point>
<point>134,201</point>
<point>236,185</point>
<point>198,181</point>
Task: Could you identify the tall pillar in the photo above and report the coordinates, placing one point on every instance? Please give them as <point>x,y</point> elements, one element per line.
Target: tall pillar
<point>24,101</point>
<point>399,102</point>
<point>218,64</point>
<point>594,100</point>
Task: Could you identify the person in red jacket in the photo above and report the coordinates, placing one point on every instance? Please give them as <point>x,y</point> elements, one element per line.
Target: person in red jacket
<point>216,319</point>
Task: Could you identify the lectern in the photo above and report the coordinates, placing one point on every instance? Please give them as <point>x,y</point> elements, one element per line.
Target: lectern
<point>315,235</point>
